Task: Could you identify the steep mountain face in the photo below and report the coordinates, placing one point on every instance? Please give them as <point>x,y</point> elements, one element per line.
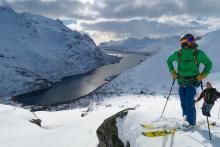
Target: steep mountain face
<point>140,45</point>
<point>210,44</point>
<point>35,50</point>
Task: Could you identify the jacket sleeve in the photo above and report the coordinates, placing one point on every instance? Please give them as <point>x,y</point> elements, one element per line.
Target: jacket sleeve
<point>201,96</point>
<point>171,59</point>
<point>204,59</point>
<point>217,94</point>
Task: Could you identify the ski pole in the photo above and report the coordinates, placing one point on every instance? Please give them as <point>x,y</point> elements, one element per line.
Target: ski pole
<point>209,128</point>
<point>167,98</point>
<point>206,116</point>
<point>218,112</point>
<point>201,85</point>
<point>218,109</point>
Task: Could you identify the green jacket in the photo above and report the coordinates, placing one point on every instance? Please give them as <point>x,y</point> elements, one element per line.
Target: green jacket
<point>187,66</point>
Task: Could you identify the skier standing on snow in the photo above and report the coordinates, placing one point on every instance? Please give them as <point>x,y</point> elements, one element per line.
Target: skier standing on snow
<point>210,95</point>
<point>188,75</point>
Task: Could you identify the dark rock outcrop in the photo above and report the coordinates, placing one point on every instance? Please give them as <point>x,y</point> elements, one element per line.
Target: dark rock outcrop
<point>107,133</point>
<point>36,121</point>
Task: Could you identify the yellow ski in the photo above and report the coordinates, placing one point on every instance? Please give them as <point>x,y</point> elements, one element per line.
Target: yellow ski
<point>159,133</point>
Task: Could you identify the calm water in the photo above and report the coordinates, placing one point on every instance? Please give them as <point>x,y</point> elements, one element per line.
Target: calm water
<point>77,86</point>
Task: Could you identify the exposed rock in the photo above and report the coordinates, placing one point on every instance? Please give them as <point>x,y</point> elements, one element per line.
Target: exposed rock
<point>84,114</point>
<point>107,133</point>
<point>36,121</point>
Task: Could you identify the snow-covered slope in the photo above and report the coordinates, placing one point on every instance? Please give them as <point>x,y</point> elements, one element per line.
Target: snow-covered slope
<point>149,112</point>
<point>68,129</point>
<point>35,50</point>
<point>210,44</point>
<point>59,129</point>
<point>152,75</point>
<point>140,45</point>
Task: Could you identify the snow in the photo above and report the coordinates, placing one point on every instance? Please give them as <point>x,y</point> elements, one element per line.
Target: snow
<point>67,128</point>
<point>149,112</point>
<point>59,129</point>
<point>35,51</point>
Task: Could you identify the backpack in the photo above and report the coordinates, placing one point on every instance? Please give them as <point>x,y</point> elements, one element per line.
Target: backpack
<point>195,57</point>
<point>211,95</point>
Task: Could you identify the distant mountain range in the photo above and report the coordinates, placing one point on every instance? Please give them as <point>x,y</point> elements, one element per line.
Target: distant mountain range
<point>141,45</point>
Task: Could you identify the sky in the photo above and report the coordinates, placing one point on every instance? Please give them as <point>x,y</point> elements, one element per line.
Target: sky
<point>106,20</point>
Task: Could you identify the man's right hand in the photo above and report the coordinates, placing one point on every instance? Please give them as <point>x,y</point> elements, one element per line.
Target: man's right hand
<point>174,74</point>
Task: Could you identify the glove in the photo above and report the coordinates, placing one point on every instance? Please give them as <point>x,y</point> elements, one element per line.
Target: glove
<point>174,74</point>
<point>201,76</point>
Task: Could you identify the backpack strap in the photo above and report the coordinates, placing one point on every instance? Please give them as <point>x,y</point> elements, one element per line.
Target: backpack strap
<point>179,56</point>
<point>195,56</point>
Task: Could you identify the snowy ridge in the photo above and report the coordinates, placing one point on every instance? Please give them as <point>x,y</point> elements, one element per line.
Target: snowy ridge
<point>140,45</point>
<point>35,50</point>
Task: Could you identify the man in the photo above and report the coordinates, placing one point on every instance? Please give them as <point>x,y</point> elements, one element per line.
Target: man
<point>209,95</point>
<point>189,58</point>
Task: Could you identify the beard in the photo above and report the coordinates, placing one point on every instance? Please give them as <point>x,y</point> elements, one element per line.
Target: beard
<point>192,46</point>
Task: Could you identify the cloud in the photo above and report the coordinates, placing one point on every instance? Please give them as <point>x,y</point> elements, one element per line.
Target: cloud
<point>91,9</point>
<point>144,27</point>
<point>155,8</point>
<point>136,8</point>
<point>53,8</point>
<point>120,18</point>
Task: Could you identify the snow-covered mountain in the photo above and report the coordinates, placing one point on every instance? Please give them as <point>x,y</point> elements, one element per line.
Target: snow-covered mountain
<point>140,45</point>
<point>35,50</point>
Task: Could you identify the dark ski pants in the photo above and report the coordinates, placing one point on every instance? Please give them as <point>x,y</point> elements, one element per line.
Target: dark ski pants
<point>187,94</point>
<point>206,108</point>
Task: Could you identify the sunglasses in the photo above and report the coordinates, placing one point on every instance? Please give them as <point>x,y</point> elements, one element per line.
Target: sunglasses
<point>191,39</point>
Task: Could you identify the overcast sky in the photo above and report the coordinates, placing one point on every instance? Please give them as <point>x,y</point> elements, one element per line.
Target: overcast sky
<point>116,19</point>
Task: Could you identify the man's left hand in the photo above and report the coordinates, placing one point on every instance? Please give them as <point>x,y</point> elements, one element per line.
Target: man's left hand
<point>201,76</point>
